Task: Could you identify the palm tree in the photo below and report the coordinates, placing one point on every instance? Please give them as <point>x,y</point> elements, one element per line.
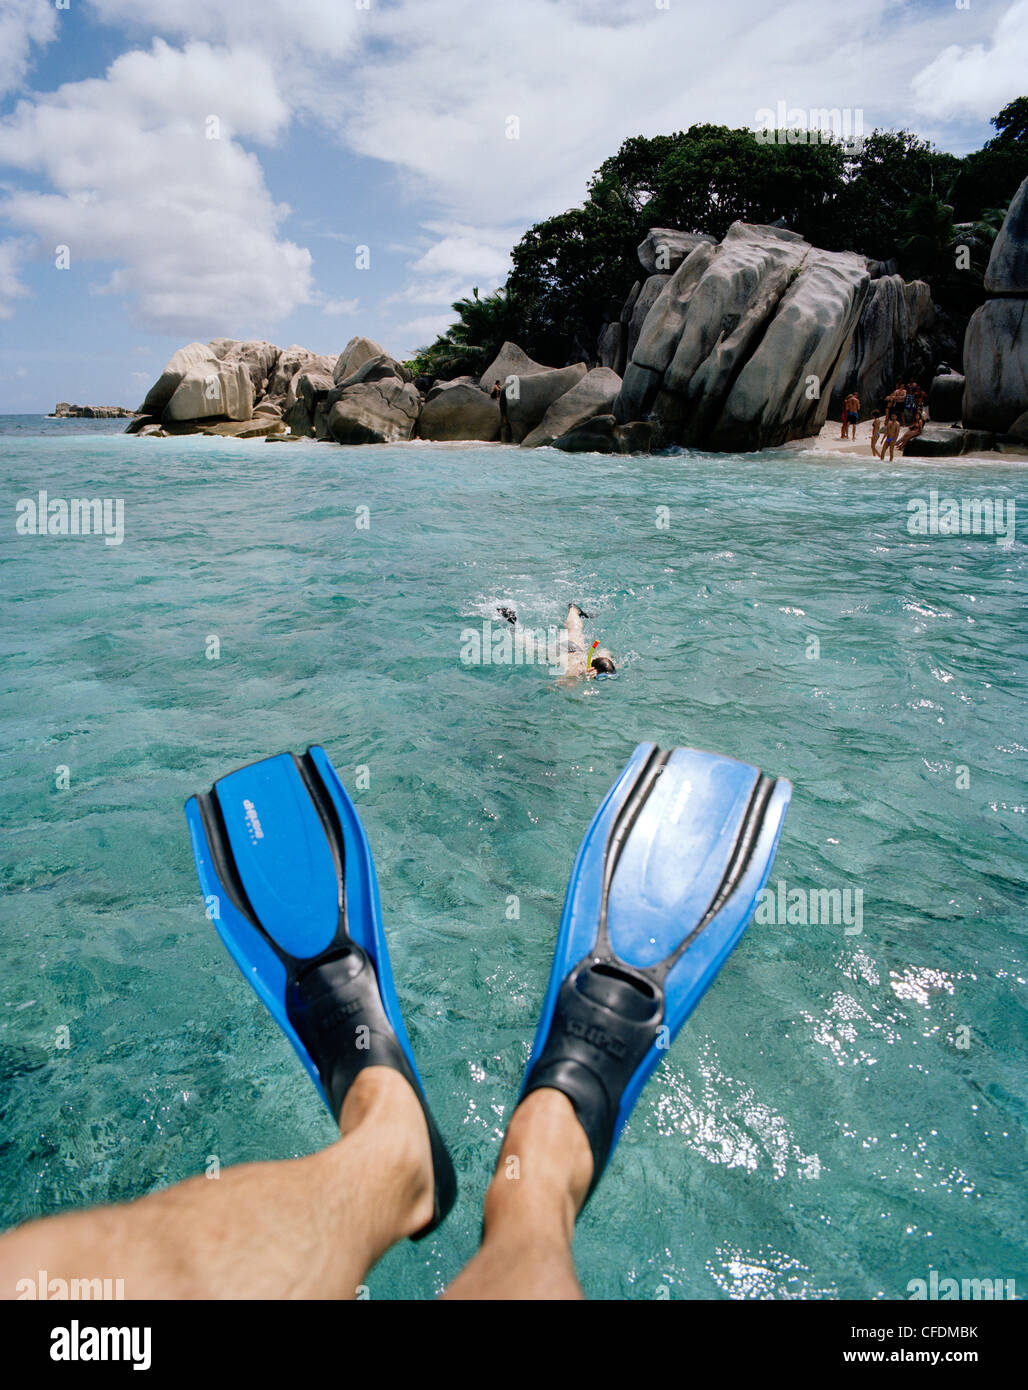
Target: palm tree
<point>469,344</point>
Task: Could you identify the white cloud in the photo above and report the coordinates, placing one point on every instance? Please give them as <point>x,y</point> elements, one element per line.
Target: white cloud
<point>187,221</point>
<point>331,27</point>
<point>977,79</point>
<point>11,288</point>
<point>22,23</point>
<point>195,235</point>
<point>421,332</point>
<point>470,253</point>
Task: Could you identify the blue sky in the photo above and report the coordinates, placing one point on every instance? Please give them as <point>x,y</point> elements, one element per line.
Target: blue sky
<point>384,124</point>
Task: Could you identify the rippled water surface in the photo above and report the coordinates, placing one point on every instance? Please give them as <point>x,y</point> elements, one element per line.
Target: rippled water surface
<point>846,1108</point>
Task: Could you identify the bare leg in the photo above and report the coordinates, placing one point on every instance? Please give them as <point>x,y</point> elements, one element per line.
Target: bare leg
<point>302,1228</point>
<point>539,1185</point>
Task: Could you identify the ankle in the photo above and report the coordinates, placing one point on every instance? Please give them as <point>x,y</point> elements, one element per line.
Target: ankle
<point>383,1112</point>
<point>544,1170</point>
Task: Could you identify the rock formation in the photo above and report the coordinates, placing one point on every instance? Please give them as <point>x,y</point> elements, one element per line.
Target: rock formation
<point>665,248</point>
<point>530,387</point>
<point>946,395</point>
<point>376,404</point>
<point>996,345</point>
<point>354,355</point>
<point>212,390</point>
<point>64,411</point>
<point>594,394</point>
<point>893,341</point>
<point>603,435</point>
<point>735,345</point>
<point>461,411</point>
<point>742,345</point>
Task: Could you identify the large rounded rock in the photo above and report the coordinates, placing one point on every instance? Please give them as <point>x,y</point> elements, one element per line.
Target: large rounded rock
<point>311,386</point>
<point>595,436</point>
<point>1008,264</point>
<point>161,392</point>
<point>212,389</point>
<point>946,397</point>
<point>638,391</point>
<point>729,309</point>
<point>299,419</point>
<point>595,394</point>
<point>509,361</point>
<point>932,444</point>
<point>610,345</point>
<point>378,368</point>
<point>259,357</point>
<point>374,412</point>
<point>648,295</point>
<point>784,388</point>
<point>530,397</point>
<point>141,423</point>
<point>356,352</point>
<point>634,438</point>
<point>895,339</point>
<point>628,308</point>
<point>290,360</point>
<point>665,248</point>
<point>438,387</point>
<point>665,321</point>
<point>996,365</point>
<point>460,412</point>
<point>741,346</point>
<point>1019,429</point>
<point>260,427</point>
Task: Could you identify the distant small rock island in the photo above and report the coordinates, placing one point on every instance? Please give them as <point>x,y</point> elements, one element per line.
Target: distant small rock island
<point>63,411</point>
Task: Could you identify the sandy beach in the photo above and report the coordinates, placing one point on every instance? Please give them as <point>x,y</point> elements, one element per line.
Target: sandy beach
<point>828,442</point>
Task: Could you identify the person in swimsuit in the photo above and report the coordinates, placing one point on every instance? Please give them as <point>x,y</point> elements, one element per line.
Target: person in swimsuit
<point>850,416</point>
<point>580,658</point>
<point>912,433</point>
<point>890,433</point>
<point>876,430</point>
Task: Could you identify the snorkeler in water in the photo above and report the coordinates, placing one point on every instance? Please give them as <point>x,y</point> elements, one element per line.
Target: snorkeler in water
<point>582,657</point>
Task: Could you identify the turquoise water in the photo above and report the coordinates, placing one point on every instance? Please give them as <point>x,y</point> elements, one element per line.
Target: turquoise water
<point>820,1129</point>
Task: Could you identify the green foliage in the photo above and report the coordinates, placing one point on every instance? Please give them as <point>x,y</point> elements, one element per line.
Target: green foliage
<point>711,176</point>
<point>469,345</point>
<point>572,273</point>
<point>990,177</point>
<point>892,171</point>
<point>894,198</point>
<point>925,237</point>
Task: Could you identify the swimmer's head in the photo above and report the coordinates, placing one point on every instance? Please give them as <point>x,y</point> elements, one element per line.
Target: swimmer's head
<point>602,662</point>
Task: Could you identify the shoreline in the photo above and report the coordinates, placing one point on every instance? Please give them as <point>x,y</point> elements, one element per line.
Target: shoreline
<point>828,444</point>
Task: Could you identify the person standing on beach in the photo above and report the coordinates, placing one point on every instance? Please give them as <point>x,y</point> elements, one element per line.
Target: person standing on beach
<point>850,415</point>
<point>890,432</point>
<point>876,430</point>
<point>499,394</point>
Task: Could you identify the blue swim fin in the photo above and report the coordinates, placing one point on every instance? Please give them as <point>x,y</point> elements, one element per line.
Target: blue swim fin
<point>287,874</point>
<point>665,882</point>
